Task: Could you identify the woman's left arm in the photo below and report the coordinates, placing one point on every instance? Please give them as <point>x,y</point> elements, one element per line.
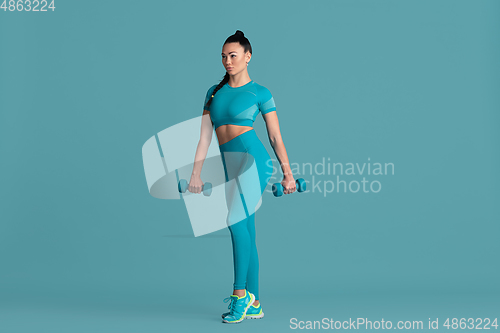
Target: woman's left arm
<point>273,131</point>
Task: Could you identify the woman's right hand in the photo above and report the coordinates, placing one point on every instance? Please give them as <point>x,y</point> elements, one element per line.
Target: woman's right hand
<point>195,184</point>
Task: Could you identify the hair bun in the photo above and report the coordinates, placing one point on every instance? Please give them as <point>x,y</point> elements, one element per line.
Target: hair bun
<point>239,32</point>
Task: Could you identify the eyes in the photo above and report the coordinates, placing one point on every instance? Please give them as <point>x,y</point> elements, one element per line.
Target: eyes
<point>232,55</point>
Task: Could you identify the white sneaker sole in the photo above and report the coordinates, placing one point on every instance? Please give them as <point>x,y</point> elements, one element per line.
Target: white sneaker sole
<point>254,316</point>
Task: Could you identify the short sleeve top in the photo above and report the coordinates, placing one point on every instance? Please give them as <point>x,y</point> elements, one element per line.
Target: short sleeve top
<point>240,105</point>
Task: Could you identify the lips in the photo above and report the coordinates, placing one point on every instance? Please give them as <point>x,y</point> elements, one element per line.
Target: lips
<point>229,68</point>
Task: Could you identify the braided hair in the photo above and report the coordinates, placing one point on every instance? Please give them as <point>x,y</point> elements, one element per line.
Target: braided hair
<point>237,37</point>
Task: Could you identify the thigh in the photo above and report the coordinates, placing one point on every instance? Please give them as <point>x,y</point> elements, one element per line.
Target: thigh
<point>263,163</point>
<point>253,178</point>
<point>235,163</point>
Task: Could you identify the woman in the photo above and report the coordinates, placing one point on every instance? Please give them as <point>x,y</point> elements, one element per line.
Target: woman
<point>231,106</point>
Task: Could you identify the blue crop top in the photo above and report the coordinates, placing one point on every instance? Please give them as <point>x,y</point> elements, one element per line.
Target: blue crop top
<point>240,105</point>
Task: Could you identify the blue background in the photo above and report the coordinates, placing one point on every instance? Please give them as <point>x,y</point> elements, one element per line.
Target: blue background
<point>84,247</point>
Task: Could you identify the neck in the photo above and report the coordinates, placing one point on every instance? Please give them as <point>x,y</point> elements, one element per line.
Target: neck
<point>239,79</point>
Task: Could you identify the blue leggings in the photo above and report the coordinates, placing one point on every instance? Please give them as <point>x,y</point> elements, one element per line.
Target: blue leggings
<point>248,169</point>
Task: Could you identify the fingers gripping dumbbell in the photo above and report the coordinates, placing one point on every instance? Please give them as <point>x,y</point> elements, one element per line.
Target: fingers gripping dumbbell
<point>278,188</point>
<point>183,186</point>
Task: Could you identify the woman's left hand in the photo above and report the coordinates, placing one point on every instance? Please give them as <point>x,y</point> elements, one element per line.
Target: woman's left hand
<point>288,184</point>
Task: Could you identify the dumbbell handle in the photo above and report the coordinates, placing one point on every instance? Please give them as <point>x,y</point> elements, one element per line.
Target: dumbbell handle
<point>202,186</point>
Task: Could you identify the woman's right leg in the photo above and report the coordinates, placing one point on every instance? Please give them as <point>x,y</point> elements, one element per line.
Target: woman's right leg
<point>242,243</point>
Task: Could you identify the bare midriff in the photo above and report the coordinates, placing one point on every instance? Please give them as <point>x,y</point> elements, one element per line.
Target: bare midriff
<point>228,132</point>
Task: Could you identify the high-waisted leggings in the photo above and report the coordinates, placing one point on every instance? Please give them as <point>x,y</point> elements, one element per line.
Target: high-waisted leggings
<point>248,169</point>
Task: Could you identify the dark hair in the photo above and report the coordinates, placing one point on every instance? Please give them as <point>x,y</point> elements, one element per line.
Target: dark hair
<point>237,37</point>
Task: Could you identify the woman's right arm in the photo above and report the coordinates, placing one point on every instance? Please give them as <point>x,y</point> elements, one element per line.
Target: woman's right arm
<point>206,132</point>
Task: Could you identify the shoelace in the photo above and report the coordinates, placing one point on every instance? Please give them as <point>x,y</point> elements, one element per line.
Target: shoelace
<point>231,305</point>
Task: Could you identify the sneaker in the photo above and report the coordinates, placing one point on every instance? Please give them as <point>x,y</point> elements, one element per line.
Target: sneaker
<point>254,312</point>
<point>238,307</point>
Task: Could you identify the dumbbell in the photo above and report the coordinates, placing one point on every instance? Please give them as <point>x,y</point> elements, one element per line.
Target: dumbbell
<point>300,185</point>
<point>183,186</point>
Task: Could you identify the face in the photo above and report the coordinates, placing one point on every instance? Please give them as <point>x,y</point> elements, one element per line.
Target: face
<point>234,58</point>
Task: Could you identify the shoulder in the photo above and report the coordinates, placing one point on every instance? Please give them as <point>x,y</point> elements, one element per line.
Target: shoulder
<point>263,93</point>
<point>261,89</point>
<point>211,89</point>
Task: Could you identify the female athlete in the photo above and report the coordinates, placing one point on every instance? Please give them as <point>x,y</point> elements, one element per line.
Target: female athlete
<point>231,106</point>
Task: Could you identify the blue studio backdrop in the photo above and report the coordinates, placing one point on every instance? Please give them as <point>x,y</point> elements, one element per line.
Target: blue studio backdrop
<point>389,110</point>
